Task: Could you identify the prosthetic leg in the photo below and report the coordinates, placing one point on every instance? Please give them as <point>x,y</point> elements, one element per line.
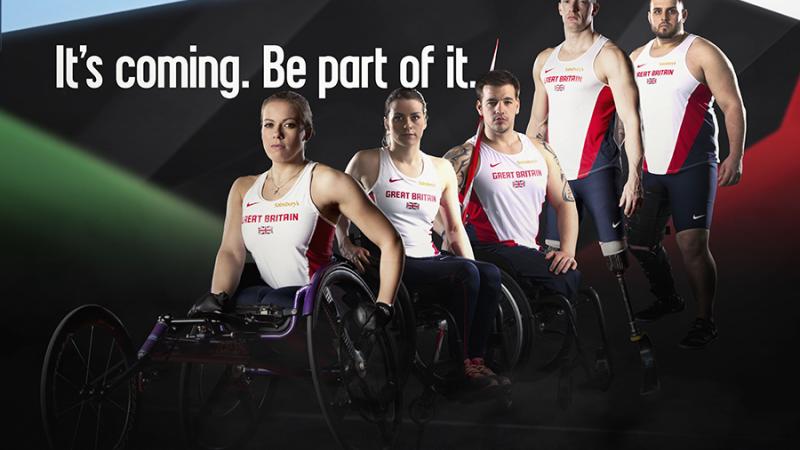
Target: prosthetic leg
<point>617,263</point>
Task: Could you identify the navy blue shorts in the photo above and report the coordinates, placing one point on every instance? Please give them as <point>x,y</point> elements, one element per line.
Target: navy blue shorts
<point>598,194</point>
<point>265,295</point>
<point>688,196</point>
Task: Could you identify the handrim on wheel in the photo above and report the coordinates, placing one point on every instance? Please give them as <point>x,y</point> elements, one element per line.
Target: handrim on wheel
<point>353,369</point>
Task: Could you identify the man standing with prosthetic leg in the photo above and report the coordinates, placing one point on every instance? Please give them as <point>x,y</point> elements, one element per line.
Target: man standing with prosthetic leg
<point>679,75</point>
<point>580,85</point>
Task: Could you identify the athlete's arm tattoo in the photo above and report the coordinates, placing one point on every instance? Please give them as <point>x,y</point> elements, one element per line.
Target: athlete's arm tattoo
<point>459,157</point>
<point>541,130</point>
<point>566,192</point>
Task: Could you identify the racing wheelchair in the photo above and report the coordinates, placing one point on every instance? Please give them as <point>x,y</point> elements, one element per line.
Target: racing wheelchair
<point>92,373</point>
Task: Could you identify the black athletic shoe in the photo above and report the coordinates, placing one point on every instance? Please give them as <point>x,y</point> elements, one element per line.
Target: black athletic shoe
<point>661,307</point>
<point>702,333</point>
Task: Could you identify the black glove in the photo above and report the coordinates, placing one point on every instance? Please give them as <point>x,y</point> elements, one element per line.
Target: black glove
<point>383,313</point>
<point>209,303</point>
<point>369,317</point>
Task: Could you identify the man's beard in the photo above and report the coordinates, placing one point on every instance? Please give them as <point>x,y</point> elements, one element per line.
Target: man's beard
<point>668,34</point>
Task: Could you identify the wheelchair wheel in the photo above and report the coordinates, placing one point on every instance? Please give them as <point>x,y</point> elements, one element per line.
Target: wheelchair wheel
<point>353,366</point>
<point>402,330</point>
<point>593,345</point>
<point>512,334</point>
<point>84,401</point>
<point>553,333</point>
<point>440,353</point>
<point>221,405</point>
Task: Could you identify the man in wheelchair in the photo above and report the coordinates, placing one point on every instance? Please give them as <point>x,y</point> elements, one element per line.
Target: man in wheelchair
<point>514,176</point>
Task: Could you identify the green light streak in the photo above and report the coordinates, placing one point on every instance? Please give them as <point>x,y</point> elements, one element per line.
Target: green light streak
<point>77,216</point>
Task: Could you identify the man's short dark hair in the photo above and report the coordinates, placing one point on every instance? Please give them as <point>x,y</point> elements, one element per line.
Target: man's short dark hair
<point>496,78</point>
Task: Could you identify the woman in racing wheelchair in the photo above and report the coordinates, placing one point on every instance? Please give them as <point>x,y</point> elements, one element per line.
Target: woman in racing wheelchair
<point>410,187</point>
<point>285,218</point>
<point>231,353</point>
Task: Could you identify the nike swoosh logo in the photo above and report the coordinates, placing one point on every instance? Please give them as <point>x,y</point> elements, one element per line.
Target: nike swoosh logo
<point>548,70</point>
<point>640,66</point>
<point>697,217</point>
<point>615,224</point>
<point>251,204</point>
<point>495,164</point>
<point>393,180</point>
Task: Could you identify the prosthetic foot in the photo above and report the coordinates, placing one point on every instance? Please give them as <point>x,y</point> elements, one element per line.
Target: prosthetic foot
<point>617,263</point>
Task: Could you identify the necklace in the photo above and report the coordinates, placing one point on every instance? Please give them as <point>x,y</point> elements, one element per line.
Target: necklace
<point>281,185</point>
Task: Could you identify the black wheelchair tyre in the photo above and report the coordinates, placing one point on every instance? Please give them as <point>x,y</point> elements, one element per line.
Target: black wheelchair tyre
<point>89,349</point>
<point>512,334</point>
<point>554,333</point>
<point>342,390</point>
<point>220,405</point>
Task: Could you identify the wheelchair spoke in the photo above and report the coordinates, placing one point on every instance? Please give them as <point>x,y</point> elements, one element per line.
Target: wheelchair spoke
<point>97,427</point>
<point>68,381</point>
<point>64,411</point>
<point>77,350</point>
<point>108,360</point>
<point>89,356</point>
<point>77,426</point>
<point>111,401</point>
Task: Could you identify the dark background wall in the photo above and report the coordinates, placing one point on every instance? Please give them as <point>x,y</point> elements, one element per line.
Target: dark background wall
<point>116,196</point>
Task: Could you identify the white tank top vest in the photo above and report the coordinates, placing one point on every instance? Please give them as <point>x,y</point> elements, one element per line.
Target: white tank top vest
<point>409,203</point>
<point>679,127</point>
<point>581,110</point>
<point>507,196</point>
<point>288,238</point>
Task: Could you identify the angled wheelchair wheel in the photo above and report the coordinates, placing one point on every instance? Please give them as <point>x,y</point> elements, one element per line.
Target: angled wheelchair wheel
<point>353,364</point>
<point>512,334</point>
<point>553,333</point>
<point>439,360</point>
<point>593,349</point>
<point>88,399</point>
<point>402,330</point>
<point>221,405</point>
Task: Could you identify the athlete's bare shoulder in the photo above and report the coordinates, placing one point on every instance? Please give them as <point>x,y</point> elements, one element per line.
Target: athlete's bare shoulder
<point>542,146</point>
<point>635,54</point>
<point>612,52</point>
<point>370,154</point>
<point>243,184</point>
<point>704,57</point>
<point>324,173</point>
<point>702,48</point>
<point>541,58</point>
<point>457,154</point>
<point>459,157</point>
<point>329,185</point>
<point>442,165</point>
